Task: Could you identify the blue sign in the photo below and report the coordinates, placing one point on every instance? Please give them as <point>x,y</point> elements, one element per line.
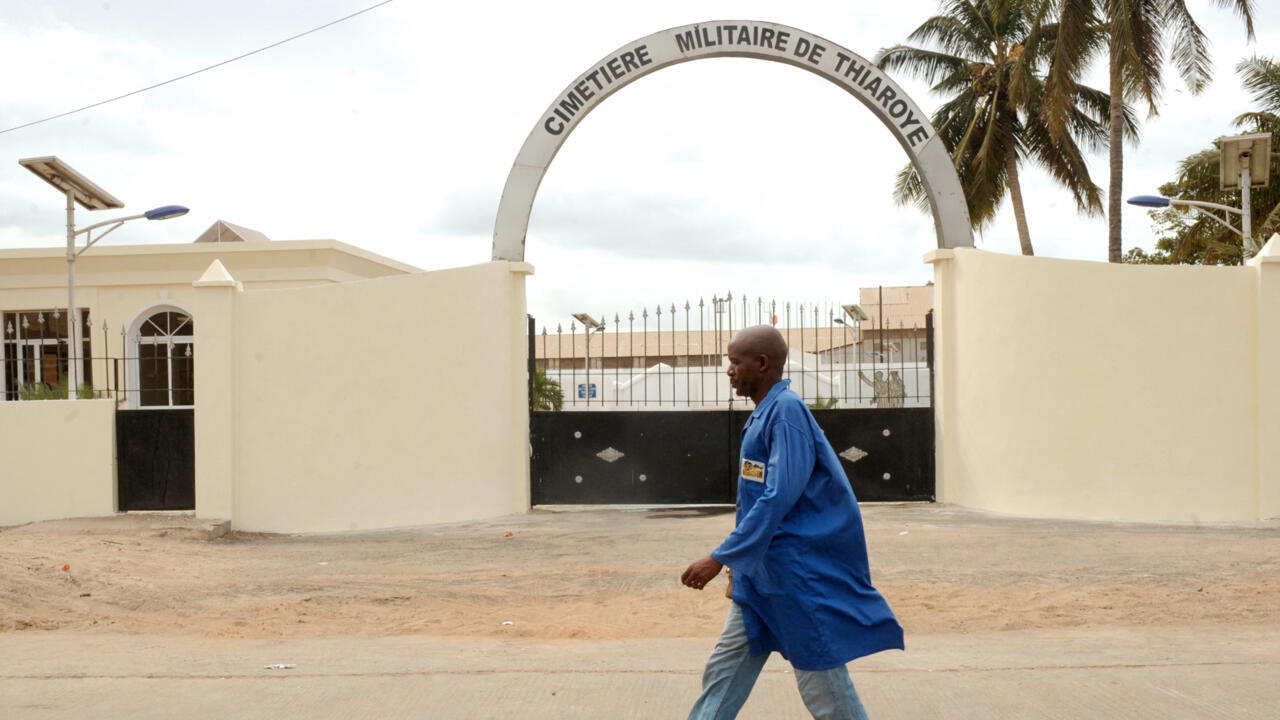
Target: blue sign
<point>586,391</point>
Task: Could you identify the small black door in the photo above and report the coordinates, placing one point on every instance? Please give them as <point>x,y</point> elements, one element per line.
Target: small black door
<point>155,459</point>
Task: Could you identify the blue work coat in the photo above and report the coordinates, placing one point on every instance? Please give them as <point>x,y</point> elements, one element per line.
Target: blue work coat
<point>798,554</point>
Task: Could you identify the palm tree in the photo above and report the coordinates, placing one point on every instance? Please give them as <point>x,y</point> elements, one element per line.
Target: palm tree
<point>1135,32</point>
<point>547,394</point>
<point>1188,237</point>
<point>988,56</point>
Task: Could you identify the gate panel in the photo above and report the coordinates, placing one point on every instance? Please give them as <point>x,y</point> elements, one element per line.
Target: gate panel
<point>898,444</point>
<point>155,459</point>
<point>635,457</point>
<point>624,458</point>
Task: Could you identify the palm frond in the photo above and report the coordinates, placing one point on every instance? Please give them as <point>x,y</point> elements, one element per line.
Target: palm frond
<point>1244,9</point>
<point>1270,224</point>
<point>1064,161</point>
<point>1258,122</point>
<point>1096,105</point>
<point>1260,77</point>
<point>926,65</point>
<point>908,188</point>
<point>1136,46</point>
<point>1190,48</point>
<point>1070,54</point>
<point>952,35</point>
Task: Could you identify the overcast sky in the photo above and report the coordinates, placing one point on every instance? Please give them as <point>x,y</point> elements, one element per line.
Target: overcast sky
<point>394,131</point>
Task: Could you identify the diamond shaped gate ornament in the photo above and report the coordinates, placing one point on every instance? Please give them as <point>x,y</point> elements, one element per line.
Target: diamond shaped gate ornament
<point>610,454</point>
<point>853,454</point>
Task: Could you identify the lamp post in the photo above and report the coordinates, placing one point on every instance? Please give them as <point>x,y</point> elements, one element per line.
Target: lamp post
<point>589,325</point>
<point>79,189</point>
<point>857,315</point>
<point>1246,158</point>
<point>1244,163</point>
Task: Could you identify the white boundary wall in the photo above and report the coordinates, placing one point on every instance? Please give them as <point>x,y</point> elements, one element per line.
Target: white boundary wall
<point>59,460</point>
<point>1111,392</point>
<point>381,403</point>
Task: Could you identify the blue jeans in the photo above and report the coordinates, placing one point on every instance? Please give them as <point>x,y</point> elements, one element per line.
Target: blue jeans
<point>732,671</point>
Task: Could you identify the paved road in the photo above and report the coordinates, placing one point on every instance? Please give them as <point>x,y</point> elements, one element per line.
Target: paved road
<point>1111,673</point>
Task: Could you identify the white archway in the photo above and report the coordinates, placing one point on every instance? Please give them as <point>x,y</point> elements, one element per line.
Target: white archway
<point>733,38</point>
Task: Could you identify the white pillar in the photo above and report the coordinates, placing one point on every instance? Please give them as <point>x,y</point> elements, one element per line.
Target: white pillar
<point>944,374</point>
<point>215,308</point>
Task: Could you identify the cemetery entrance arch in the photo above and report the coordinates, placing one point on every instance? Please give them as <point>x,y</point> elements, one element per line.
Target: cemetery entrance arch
<point>733,38</point>
<point>849,71</point>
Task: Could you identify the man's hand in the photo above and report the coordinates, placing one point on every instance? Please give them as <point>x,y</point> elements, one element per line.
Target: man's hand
<point>701,572</point>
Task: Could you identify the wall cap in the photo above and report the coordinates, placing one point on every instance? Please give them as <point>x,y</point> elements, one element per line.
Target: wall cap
<point>1270,252</point>
<point>216,275</point>
<point>939,255</point>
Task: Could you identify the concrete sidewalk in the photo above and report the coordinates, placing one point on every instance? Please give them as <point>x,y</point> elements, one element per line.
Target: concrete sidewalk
<point>1197,672</point>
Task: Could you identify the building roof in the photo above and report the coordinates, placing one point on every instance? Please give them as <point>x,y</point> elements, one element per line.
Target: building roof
<point>675,342</point>
<point>223,231</point>
<point>904,306</point>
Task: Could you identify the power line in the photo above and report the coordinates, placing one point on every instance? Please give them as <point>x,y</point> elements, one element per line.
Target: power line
<point>196,72</point>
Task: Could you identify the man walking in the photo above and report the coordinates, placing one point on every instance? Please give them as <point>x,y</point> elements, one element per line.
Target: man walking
<point>800,582</point>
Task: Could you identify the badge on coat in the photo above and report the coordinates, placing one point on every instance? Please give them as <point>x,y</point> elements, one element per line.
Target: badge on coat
<point>753,471</point>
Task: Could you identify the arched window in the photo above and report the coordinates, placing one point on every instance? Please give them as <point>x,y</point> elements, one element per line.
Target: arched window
<point>166,356</point>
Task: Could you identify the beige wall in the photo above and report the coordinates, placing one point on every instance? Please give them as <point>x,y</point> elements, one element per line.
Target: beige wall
<point>382,403</point>
<point>121,283</point>
<point>1092,390</point>
<point>59,460</point>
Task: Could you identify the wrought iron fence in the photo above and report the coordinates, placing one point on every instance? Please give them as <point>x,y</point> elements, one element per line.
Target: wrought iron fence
<point>673,357</point>
<point>153,371</point>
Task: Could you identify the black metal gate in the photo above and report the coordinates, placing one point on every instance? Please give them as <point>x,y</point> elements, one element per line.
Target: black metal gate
<point>155,459</point>
<point>601,434</point>
<point>690,457</point>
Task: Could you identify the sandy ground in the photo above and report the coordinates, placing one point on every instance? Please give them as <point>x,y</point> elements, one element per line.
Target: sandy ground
<point>611,574</point>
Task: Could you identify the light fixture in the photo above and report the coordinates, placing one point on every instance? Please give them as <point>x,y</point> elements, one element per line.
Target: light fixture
<point>165,212</point>
<point>79,189</point>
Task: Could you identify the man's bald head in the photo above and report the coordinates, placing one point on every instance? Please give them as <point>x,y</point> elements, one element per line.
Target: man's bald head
<point>763,340</point>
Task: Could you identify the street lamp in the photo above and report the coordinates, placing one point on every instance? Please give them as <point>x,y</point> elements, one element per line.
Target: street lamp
<point>589,325</point>
<point>79,189</point>
<point>1244,163</point>
<point>857,315</point>
<point>1246,158</point>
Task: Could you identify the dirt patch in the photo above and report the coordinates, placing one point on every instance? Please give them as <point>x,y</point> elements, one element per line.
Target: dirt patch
<point>614,574</point>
